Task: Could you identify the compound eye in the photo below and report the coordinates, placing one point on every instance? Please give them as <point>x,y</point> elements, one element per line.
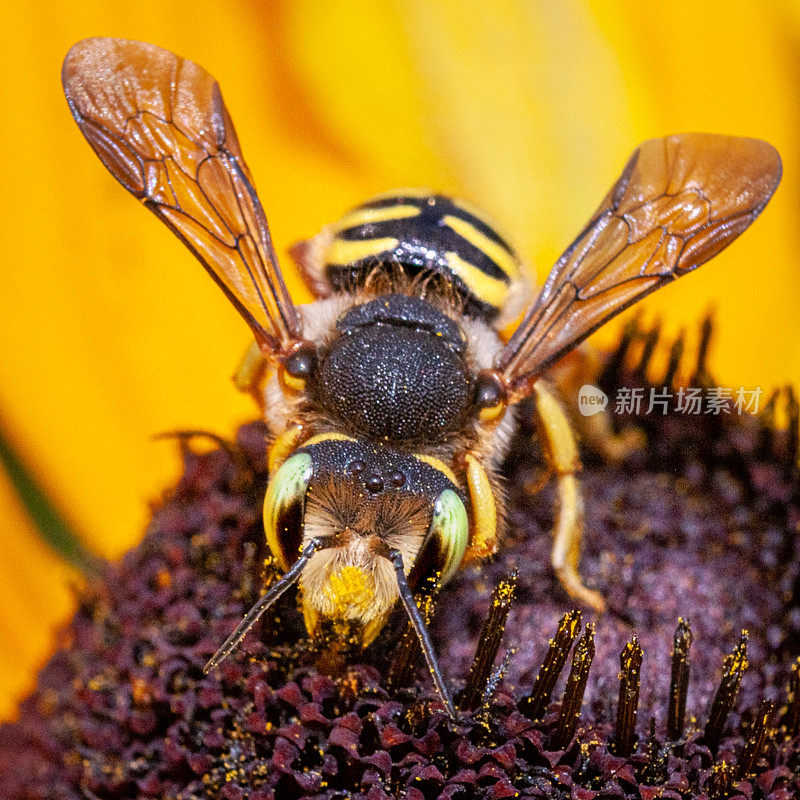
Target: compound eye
<point>490,396</point>
<point>284,507</point>
<point>450,532</point>
<point>298,367</point>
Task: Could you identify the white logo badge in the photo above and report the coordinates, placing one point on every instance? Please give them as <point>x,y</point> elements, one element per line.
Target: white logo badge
<point>591,400</point>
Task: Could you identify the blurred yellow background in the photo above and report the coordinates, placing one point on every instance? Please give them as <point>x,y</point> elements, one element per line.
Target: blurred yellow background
<point>109,330</point>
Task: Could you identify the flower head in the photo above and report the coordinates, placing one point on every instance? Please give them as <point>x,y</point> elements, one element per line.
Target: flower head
<point>691,541</point>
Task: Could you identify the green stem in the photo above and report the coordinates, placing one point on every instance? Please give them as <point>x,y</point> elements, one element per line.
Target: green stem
<point>52,526</point>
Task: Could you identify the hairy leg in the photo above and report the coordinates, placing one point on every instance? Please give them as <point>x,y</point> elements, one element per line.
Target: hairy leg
<point>561,451</point>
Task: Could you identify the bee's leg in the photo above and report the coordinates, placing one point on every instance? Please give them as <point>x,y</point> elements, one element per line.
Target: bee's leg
<point>250,373</point>
<point>597,433</point>
<point>561,451</point>
<point>483,538</point>
<point>583,366</point>
<point>283,446</point>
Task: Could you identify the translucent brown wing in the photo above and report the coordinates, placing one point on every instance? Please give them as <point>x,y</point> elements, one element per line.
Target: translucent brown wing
<point>679,202</point>
<point>159,124</point>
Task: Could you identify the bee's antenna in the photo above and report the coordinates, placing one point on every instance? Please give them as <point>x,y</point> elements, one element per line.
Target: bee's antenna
<point>396,557</point>
<point>265,601</point>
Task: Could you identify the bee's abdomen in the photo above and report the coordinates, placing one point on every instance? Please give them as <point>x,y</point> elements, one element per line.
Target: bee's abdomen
<point>423,233</point>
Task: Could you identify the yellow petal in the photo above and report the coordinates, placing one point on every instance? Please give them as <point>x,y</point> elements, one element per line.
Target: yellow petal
<point>34,599</point>
<point>533,109</point>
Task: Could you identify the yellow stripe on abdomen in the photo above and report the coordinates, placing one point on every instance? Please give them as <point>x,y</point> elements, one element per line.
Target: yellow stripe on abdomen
<point>485,288</point>
<point>344,251</point>
<point>496,252</point>
<point>367,216</point>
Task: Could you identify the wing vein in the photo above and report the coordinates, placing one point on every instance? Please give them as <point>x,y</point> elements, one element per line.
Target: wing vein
<point>681,199</point>
<point>159,124</point>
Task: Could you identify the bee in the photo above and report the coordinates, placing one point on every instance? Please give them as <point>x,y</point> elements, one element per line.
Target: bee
<point>392,399</point>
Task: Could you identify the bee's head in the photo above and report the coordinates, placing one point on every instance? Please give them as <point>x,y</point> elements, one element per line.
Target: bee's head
<point>365,500</point>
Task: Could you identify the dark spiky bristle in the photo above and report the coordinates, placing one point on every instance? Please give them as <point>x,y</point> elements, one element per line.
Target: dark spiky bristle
<point>691,541</point>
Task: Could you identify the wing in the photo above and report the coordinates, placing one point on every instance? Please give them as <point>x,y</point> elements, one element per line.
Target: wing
<point>159,124</point>
<point>679,202</point>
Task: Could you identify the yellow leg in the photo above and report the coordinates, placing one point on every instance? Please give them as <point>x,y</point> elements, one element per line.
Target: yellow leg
<point>250,373</point>
<point>483,541</point>
<point>583,366</point>
<point>596,433</point>
<point>561,452</point>
<point>283,446</point>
